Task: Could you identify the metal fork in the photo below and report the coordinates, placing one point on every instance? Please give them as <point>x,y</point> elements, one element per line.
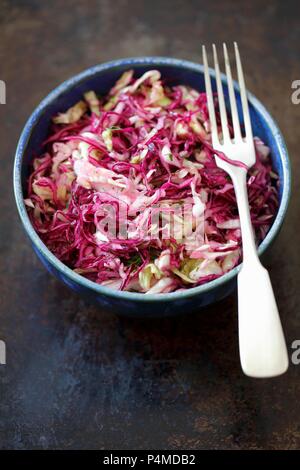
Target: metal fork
<point>262,345</point>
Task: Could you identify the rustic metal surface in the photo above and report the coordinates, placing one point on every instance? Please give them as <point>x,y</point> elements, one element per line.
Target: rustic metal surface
<point>77,377</point>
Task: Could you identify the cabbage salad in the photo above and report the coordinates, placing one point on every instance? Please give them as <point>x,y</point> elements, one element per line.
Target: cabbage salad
<point>127,192</point>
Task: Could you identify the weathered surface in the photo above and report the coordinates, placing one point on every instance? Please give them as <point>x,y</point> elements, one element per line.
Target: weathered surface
<point>77,377</point>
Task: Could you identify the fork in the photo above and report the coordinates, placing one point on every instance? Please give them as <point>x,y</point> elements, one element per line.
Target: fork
<point>262,345</point>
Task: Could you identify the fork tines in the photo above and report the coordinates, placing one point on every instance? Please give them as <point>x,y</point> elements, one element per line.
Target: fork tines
<point>232,99</point>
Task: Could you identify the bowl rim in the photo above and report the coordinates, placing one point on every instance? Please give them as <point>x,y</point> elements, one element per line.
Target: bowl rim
<point>75,80</point>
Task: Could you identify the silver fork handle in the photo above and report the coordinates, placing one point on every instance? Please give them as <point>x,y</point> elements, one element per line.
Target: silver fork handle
<point>262,345</point>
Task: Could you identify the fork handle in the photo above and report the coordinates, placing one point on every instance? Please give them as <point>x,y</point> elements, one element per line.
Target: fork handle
<point>262,345</point>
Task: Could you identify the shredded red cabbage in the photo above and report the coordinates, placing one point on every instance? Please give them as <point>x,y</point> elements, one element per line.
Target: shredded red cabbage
<point>115,176</point>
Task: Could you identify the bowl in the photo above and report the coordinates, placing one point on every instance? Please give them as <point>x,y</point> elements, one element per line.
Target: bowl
<point>100,78</point>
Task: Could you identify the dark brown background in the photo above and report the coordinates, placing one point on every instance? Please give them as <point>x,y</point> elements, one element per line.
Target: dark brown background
<point>78,377</point>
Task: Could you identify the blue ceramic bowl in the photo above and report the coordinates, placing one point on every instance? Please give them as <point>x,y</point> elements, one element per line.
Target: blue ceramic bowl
<point>100,78</point>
